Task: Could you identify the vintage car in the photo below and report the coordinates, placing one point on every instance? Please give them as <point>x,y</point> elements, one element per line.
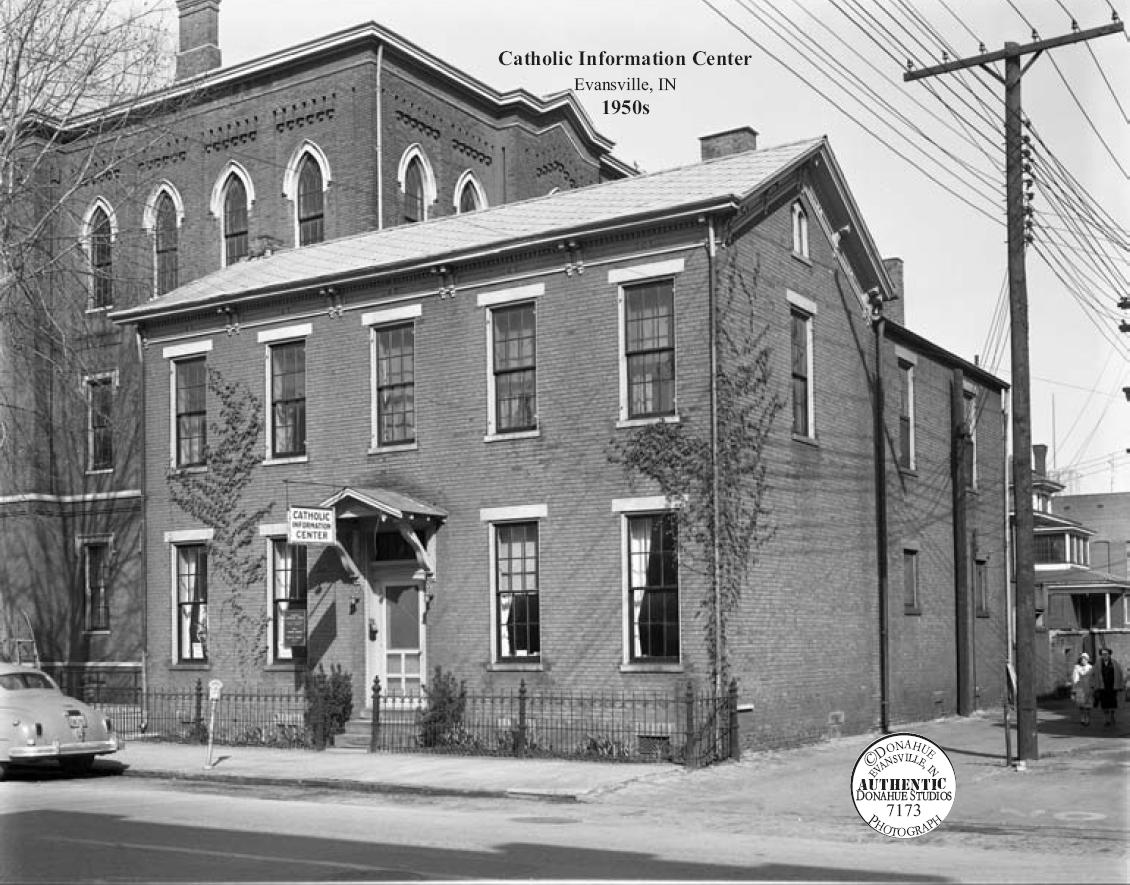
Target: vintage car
<point>38,722</point>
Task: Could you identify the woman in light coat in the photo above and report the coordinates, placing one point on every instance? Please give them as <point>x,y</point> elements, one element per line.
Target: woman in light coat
<point>1081,691</point>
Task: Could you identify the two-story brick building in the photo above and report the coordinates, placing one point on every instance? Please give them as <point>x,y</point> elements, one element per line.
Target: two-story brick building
<point>462,392</point>
<point>352,132</point>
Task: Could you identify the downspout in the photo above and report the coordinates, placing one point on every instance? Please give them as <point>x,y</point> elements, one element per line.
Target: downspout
<point>878,326</point>
<point>711,252</point>
<point>144,546</point>
<point>380,144</point>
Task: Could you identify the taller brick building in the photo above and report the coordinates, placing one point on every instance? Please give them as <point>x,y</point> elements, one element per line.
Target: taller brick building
<point>353,132</point>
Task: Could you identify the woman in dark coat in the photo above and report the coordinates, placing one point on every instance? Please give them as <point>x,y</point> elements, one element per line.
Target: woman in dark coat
<point>1108,684</point>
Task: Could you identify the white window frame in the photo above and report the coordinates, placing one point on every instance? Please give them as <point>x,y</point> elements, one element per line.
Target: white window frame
<point>469,179</point>
<point>907,362</point>
<point>149,223</point>
<point>175,540</point>
<point>88,384</point>
<point>174,354</point>
<point>807,307</point>
<point>624,508</point>
<point>273,534</point>
<point>492,517</point>
<point>86,240</point>
<point>269,338</point>
<point>415,151</point>
<point>310,149</point>
<point>511,297</point>
<point>376,320</point>
<point>632,275</point>
<point>971,408</point>
<point>800,230</point>
<point>219,192</point>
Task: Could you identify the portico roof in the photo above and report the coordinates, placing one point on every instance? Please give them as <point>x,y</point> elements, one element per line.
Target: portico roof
<point>385,501</point>
<point>1081,580</point>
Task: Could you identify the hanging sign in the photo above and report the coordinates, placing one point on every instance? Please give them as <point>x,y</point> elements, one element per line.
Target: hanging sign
<point>310,525</point>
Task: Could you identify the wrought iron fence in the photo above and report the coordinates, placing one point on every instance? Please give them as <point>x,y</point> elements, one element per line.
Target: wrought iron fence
<point>240,718</point>
<point>680,727</point>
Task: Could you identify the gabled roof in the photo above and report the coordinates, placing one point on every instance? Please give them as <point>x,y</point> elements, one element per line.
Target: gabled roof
<point>1051,522</point>
<point>716,184</point>
<point>385,501</point>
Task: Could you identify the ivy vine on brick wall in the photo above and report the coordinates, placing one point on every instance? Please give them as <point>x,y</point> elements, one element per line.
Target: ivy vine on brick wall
<point>677,458</point>
<point>215,498</point>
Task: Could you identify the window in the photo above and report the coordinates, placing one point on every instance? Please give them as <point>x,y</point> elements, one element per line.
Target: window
<point>469,194</point>
<point>971,447</point>
<point>191,411</point>
<point>165,243</point>
<point>311,207</point>
<point>235,220</point>
<point>649,348</point>
<point>800,230</point>
<point>653,587</point>
<point>414,204</point>
<point>906,415</point>
<point>514,368</point>
<point>288,600</point>
<point>101,259</point>
<point>99,423</point>
<point>910,597</point>
<point>801,366</point>
<point>516,591</point>
<point>981,587</point>
<point>192,603</point>
<point>1051,549</point>
<point>468,199</point>
<point>288,399</point>
<point>96,602</point>
<point>396,387</point>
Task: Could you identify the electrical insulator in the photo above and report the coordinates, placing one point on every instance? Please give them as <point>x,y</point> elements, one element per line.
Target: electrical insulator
<point>1124,327</point>
<point>1124,303</point>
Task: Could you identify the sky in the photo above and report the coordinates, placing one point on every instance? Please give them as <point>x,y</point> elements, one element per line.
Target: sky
<point>948,231</point>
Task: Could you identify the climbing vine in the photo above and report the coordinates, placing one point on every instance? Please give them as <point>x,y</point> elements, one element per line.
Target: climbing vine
<point>678,458</point>
<point>214,497</point>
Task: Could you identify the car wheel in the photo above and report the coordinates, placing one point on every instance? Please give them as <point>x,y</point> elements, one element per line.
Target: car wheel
<point>77,764</point>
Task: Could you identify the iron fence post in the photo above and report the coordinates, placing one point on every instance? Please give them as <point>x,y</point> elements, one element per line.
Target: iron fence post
<point>198,707</point>
<point>520,737</point>
<point>735,742</point>
<point>692,741</point>
<point>376,721</point>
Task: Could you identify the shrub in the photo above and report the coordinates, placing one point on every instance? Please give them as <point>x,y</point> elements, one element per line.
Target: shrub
<point>329,704</point>
<point>441,723</point>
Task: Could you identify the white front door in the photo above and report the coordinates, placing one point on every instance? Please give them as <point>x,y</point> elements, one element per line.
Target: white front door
<point>395,642</point>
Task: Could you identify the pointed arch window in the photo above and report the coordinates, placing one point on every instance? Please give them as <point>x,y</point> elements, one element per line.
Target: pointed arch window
<point>470,197</point>
<point>166,242</point>
<point>311,203</point>
<point>101,260</point>
<point>235,220</point>
<point>414,191</point>
<point>800,230</point>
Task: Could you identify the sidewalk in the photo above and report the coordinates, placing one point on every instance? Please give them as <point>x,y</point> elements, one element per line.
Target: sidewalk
<point>972,742</point>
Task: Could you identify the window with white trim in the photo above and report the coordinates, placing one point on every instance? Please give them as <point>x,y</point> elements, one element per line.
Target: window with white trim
<point>800,230</point>
<point>910,593</point>
<point>415,200</point>
<point>288,584</point>
<point>395,355</point>
<point>649,348</point>
<point>513,354</point>
<point>469,195</point>
<point>96,589</point>
<point>100,236</point>
<point>906,453</point>
<point>100,423</point>
<point>287,425</point>
<point>166,243</point>
<point>653,587</point>
<point>190,427</point>
<point>801,364</point>
<point>515,578</point>
<point>235,219</point>
<point>310,202</point>
<point>191,597</point>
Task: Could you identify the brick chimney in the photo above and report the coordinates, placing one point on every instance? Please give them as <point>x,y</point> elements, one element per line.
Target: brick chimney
<point>732,141</point>
<point>895,310</point>
<point>199,25</point>
<point>1040,455</point>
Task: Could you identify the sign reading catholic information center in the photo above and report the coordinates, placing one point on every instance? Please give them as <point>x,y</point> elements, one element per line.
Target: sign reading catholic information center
<point>310,525</point>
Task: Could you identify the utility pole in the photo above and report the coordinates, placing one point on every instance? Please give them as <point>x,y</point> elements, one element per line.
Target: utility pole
<point>1011,55</point>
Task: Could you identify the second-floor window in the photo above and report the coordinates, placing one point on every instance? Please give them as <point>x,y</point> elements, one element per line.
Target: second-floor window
<point>99,424</point>
<point>311,203</point>
<point>191,411</point>
<point>288,399</point>
<point>514,369</point>
<point>396,384</point>
<point>906,415</point>
<point>414,197</point>
<point>649,348</point>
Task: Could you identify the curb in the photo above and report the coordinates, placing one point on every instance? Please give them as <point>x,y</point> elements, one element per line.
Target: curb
<point>355,786</point>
